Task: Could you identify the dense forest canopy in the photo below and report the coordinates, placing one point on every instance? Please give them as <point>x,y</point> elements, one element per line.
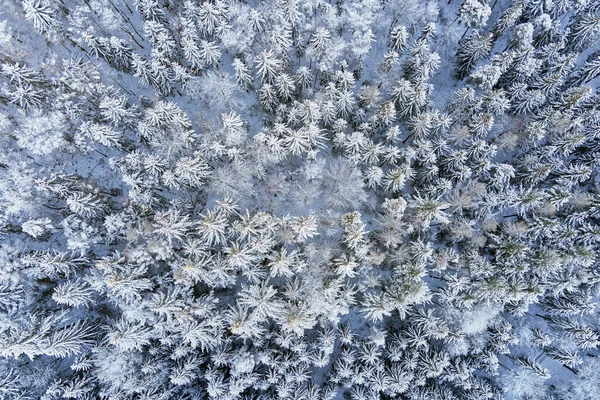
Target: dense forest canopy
<point>304,200</point>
